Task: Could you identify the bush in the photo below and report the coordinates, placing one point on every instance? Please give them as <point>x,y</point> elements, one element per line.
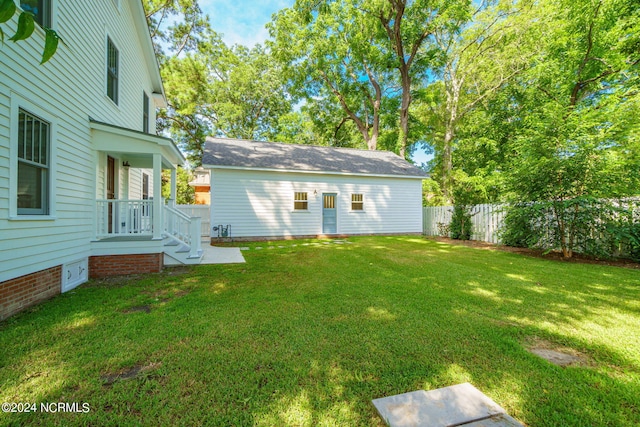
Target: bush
<point>601,228</point>
<point>517,229</point>
<point>625,240</point>
<point>460,227</point>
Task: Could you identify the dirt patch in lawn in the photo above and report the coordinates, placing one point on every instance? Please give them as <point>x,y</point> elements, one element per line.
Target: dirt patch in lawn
<point>556,354</point>
<point>138,309</point>
<point>127,374</point>
<point>537,253</point>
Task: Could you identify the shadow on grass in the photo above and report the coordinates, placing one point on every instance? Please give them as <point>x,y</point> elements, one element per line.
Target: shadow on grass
<point>310,335</point>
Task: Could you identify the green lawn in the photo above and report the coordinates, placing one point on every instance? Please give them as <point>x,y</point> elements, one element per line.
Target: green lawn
<point>308,335</point>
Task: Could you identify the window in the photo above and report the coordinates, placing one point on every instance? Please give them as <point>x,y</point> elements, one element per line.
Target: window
<point>41,10</point>
<point>357,203</point>
<point>112,70</point>
<point>145,112</point>
<point>300,202</point>
<point>33,164</point>
<point>145,186</point>
<point>145,195</point>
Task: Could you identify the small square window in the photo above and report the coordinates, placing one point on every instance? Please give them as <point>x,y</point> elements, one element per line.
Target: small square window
<point>41,10</point>
<point>300,202</point>
<point>357,202</point>
<point>113,66</point>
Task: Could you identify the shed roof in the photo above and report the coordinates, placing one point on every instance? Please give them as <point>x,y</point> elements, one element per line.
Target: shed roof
<point>244,154</point>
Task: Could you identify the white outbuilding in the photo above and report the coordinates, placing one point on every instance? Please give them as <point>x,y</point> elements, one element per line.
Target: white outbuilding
<point>271,190</point>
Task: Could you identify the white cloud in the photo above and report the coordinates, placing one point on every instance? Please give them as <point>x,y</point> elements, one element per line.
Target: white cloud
<point>242,21</point>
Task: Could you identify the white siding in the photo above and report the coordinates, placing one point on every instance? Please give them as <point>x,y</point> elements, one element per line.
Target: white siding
<point>260,204</point>
<point>70,88</point>
<point>135,183</point>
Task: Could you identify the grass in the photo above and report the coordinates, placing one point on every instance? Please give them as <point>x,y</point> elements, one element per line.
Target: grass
<point>309,335</point>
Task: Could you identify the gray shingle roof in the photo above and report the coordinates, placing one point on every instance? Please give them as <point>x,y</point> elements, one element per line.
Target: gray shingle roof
<point>306,158</point>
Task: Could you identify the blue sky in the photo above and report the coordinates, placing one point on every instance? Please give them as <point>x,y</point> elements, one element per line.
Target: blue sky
<point>243,22</point>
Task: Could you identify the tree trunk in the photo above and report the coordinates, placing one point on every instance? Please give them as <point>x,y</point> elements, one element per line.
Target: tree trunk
<point>447,163</point>
<point>453,97</point>
<point>404,111</point>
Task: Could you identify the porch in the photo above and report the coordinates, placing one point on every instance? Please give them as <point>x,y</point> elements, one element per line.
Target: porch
<point>131,216</point>
<point>123,225</point>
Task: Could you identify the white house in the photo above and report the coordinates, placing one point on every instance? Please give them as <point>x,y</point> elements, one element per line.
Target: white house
<point>80,162</point>
<point>273,190</point>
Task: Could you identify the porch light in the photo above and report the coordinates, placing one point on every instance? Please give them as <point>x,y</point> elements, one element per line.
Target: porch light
<point>126,164</point>
<point>315,193</point>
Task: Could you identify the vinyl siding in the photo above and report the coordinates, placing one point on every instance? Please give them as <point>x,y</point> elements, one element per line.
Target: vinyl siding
<point>69,89</point>
<point>260,204</point>
<point>135,183</point>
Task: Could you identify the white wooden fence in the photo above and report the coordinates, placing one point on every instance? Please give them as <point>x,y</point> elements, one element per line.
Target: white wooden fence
<point>486,220</point>
<point>203,211</point>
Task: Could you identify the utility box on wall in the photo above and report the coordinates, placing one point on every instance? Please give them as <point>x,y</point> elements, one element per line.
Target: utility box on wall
<point>74,274</point>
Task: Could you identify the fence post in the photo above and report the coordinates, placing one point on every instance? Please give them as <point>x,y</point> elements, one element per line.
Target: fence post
<point>194,231</point>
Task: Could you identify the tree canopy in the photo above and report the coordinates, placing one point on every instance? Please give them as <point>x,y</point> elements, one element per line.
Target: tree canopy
<point>518,100</point>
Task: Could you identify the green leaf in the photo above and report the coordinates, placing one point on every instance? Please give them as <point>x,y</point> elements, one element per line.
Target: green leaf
<point>7,9</point>
<point>1,36</point>
<point>26,25</point>
<point>50,45</point>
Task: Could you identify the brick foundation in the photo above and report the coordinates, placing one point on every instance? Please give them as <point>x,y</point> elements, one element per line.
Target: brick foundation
<point>119,265</point>
<point>23,292</point>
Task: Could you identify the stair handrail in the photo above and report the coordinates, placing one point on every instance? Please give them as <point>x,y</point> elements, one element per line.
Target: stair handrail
<point>190,236</point>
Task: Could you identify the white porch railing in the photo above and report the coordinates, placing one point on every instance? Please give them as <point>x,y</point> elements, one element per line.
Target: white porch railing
<point>124,218</point>
<point>184,228</point>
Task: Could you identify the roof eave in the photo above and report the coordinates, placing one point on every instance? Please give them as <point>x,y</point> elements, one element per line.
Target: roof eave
<point>140,19</point>
<point>315,172</point>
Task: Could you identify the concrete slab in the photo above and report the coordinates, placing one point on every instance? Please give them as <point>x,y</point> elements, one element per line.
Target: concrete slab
<point>502,420</point>
<point>217,255</point>
<point>445,407</point>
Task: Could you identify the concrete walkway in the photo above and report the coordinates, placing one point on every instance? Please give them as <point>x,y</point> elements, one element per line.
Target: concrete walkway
<point>217,255</point>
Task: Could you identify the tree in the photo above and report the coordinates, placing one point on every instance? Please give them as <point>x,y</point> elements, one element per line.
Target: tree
<point>578,144</point>
<point>477,62</point>
<point>331,56</point>
<point>185,194</point>
<point>176,24</point>
<point>247,96</point>
<point>216,90</point>
<point>410,27</point>
<point>212,89</point>
<point>26,26</point>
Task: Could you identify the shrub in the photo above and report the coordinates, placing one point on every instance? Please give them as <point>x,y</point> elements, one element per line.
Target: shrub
<point>601,228</point>
<point>517,229</point>
<point>460,227</point>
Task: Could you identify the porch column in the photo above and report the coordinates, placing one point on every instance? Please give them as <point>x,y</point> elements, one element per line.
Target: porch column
<point>173,187</point>
<point>157,197</point>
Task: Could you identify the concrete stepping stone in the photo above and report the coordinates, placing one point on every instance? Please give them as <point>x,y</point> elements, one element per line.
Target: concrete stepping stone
<point>244,248</point>
<point>458,405</point>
